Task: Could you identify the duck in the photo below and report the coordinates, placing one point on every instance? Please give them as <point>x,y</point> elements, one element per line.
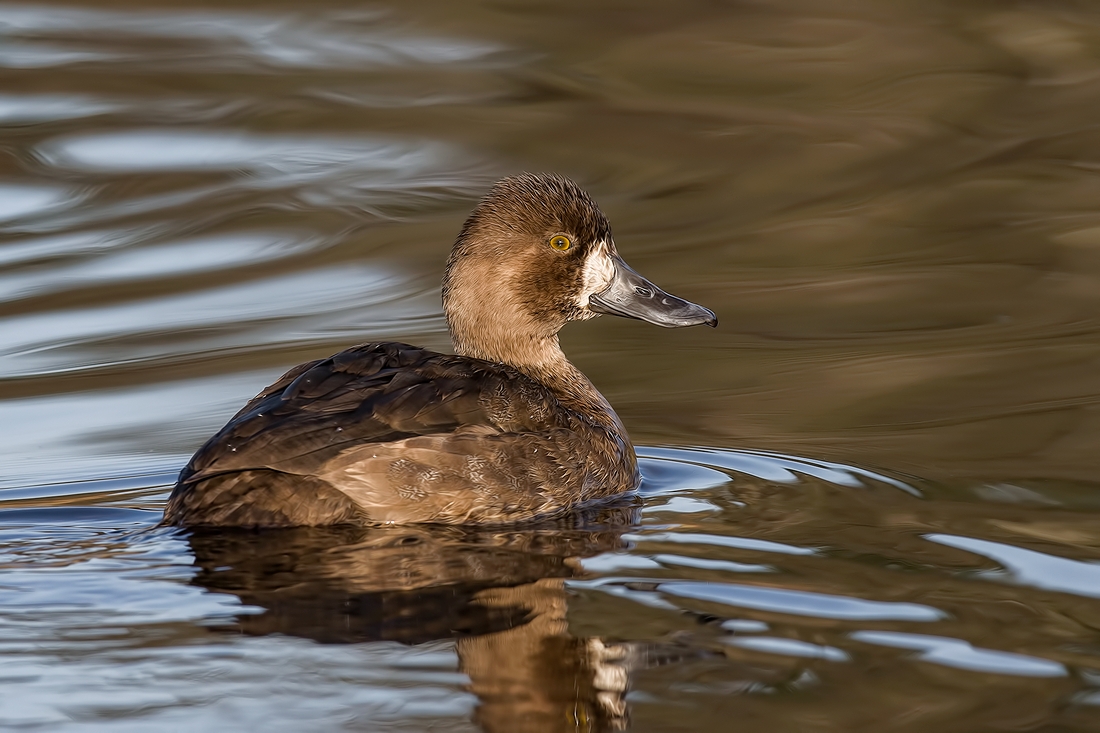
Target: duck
<point>503,431</point>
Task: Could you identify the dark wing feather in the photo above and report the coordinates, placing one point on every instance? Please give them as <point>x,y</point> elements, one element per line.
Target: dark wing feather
<point>278,386</point>
<point>372,393</point>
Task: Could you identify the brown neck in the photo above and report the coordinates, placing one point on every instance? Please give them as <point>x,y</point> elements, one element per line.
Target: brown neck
<point>506,341</point>
<point>489,319</point>
<point>539,357</point>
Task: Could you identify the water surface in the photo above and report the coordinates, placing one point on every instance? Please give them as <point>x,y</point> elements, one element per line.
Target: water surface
<point>871,498</point>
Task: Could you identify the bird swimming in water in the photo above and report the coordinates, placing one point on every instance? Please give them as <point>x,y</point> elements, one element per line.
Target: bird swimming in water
<point>505,430</point>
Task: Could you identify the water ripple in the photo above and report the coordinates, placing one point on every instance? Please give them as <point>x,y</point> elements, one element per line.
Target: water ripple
<point>115,265</point>
<point>788,647</point>
<point>23,109</point>
<point>801,603</point>
<point>40,36</point>
<point>962,655</point>
<point>1028,567</point>
<point>262,155</point>
<point>53,341</point>
<point>779,468</point>
<point>740,543</point>
<point>18,201</point>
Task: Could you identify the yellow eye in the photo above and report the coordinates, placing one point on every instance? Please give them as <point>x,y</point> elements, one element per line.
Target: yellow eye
<point>560,242</point>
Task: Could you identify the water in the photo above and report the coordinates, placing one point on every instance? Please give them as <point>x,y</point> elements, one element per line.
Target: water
<point>871,498</point>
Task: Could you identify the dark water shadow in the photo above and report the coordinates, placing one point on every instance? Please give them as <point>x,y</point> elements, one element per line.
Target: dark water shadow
<point>499,593</point>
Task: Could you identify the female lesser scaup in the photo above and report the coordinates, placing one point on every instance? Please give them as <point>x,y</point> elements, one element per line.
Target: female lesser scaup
<point>504,431</point>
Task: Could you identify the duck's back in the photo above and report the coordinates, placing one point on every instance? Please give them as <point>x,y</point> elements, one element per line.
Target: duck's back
<point>389,432</point>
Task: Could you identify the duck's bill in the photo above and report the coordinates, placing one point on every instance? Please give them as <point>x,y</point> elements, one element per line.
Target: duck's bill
<point>632,296</point>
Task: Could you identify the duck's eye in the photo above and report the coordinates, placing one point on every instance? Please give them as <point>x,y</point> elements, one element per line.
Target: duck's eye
<point>560,242</point>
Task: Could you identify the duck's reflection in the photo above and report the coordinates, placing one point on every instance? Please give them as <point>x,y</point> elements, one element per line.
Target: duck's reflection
<point>499,593</point>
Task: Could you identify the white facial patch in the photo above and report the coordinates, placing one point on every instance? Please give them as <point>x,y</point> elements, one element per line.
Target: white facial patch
<point>599,271</point>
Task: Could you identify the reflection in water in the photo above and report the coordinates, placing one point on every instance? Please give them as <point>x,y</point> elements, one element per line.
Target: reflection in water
<point>153,150</point>
<point>1033,568</point>
<point>42,342</point>
<point>235,39</point>
<point>20,201</point>
<point>802,603</point>
<point>751,608</point>
<point>20,109</point>
<point>960,654</point>
<point>101,267</point>
<point>499,594</point>
<point>320,171</point>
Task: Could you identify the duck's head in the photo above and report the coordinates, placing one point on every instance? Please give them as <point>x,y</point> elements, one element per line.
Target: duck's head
<point>535,253</point>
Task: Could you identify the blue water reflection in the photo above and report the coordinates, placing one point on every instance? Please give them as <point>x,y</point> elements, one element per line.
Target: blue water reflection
<point>1029,567</point>
<point>54,341</point>
<point>789,647</point>
<point>264,156</point>
<point>801,603</point>
<point>740,543</point>
<point>22,109</point>
<point>19,201</point>
<point>961,655</point>
<point>39,37</point>
<point>145,263</point>
<point>779,468</point>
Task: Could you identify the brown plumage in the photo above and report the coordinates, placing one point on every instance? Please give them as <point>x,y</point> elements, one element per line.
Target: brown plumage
<point>504,431</point>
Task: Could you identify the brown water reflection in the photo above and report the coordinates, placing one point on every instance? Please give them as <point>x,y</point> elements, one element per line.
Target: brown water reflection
<point>892,205</point>
<point>499,594</point>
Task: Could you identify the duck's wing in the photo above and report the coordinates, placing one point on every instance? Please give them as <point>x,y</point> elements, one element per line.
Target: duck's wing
<point>368,395</point>
<point>278,386</point>
<point>389,433</point>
